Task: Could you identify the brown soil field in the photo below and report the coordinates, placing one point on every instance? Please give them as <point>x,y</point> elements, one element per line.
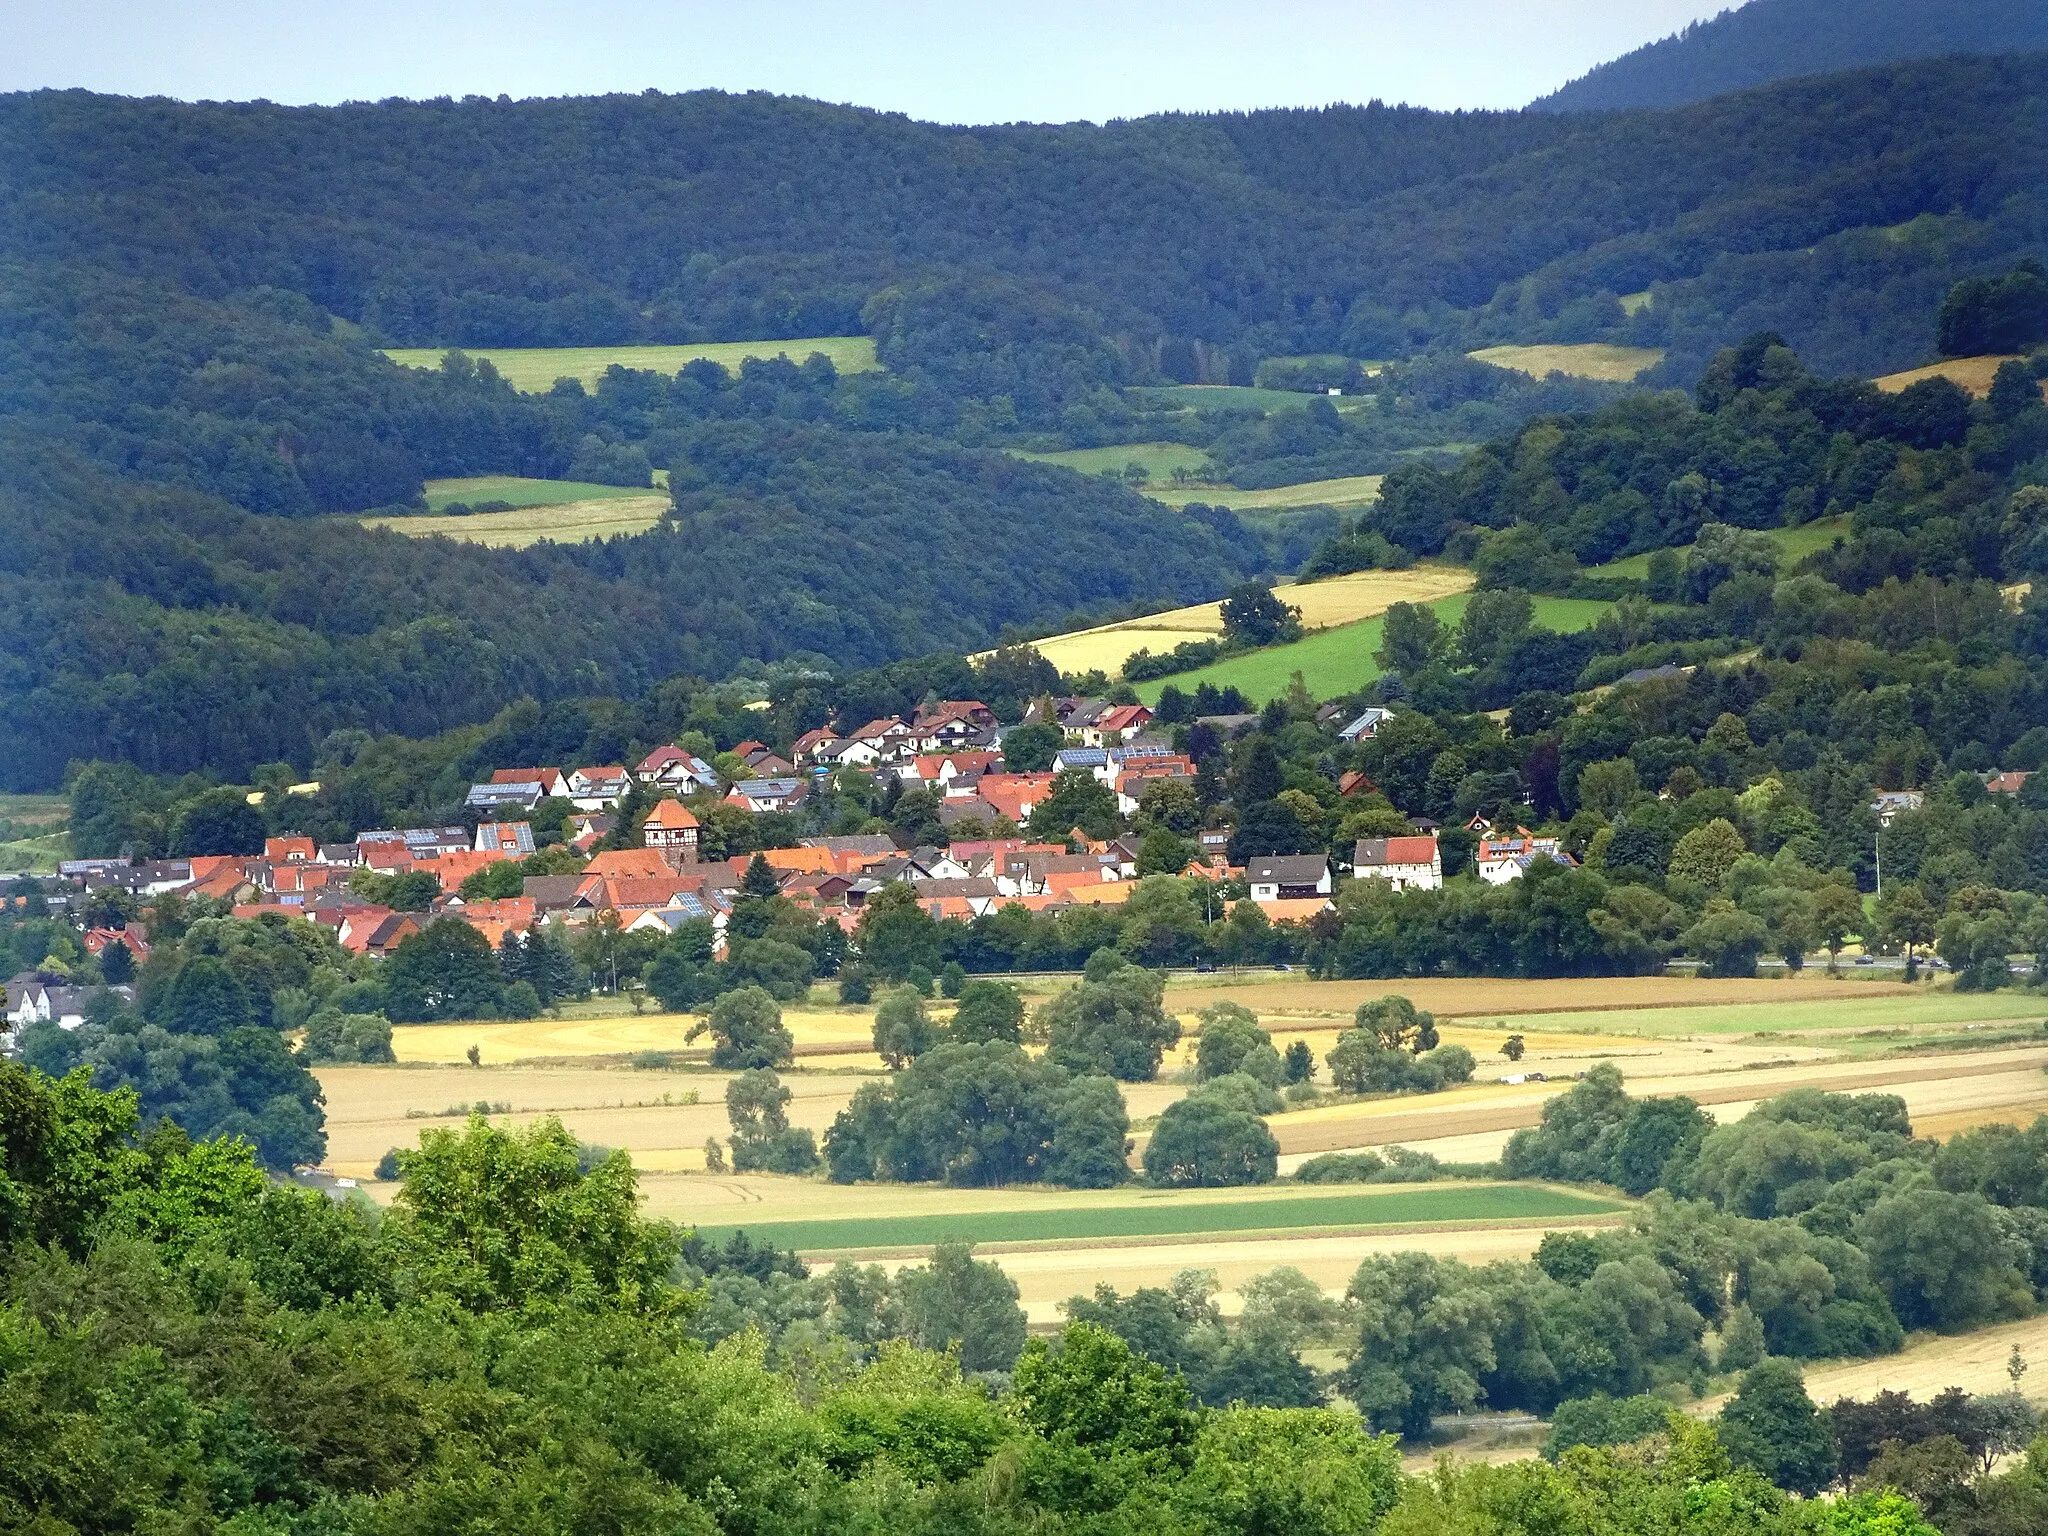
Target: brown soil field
<point>1972,373</point>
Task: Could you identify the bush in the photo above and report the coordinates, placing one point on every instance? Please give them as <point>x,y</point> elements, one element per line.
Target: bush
<point>747,1030</point>
<point>1604,1420</point>
<point>334,1036</point>
<point>387,1166</point>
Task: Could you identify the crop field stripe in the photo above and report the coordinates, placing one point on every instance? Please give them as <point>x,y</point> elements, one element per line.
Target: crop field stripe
<point>535,369</point>
<point>1401,1207</point>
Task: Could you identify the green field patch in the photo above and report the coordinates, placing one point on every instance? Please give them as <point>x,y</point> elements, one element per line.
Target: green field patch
<point>1845,1013</point>
<point>521,492</point>
<point>33,834</point>
<point>1233,397</point>
<point>1384,1208</point>
<point>1339,661</point>
<point>1794,545</point>
<point>535,369</point>
<point>1158,460</point>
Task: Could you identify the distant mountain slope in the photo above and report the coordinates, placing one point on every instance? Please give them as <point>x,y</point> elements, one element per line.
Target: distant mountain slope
<point>1770,40</point>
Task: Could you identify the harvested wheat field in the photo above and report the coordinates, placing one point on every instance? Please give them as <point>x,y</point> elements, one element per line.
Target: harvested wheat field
<point>1268,993</point>
<point>1974,1361</point>
<point>1581,360</point>
<point>1972,373</point>
<point>568,522</point>
<point>845,1036</point>
<point>1323,604</point>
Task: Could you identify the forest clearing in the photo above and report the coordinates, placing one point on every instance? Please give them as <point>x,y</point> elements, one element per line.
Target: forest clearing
<point>1580,360</point>
<point>533,370</point>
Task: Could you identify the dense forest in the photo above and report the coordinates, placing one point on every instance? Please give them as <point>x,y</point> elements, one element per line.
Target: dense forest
<point>1759,41</point>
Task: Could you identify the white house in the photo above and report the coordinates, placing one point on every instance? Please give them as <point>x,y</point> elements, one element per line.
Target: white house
<point>1501,859</point>
<point>1365,726</point>
<point>1287,877</point>
<point>1406,863</point>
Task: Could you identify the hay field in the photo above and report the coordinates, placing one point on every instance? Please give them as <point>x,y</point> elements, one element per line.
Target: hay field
<point>1972,373</point>
<point>535,369</point>
<point>1344,492</point>
<point>1337,602</point>
<point>1159,460</point>
<point>1581,360</point>
<point>1974,1361</point>
<point>522,491</point>
<point>1339,660</point>
<point>566,522</point>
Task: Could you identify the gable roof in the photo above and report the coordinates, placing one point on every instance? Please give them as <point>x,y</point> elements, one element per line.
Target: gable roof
<point>1394,850</point>
<point>628,861</point>
<point>1286,869</point>
<point>670,816</point>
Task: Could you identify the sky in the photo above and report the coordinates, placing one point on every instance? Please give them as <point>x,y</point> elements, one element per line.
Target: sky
<point>1044,61</point>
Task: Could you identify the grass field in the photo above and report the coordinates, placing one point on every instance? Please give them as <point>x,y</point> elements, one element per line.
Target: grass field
<point>1339,660</point>
<point>1167,1217</point>
<point>43,818</point>
<point>1795,544</point>
<point>1972,373</point>
<point>1583,360</point>
<point>535,369</point>
<point>1339,601</point>
<point>1347,491</point>
<point>1236,397</point>
<point>522,492</point>
<point>1160,460</point>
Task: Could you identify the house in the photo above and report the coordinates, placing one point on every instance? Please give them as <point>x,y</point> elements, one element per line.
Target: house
<point>289,850</point>
<point>759,795</point>
<point>554,784</point>
<point>588,828</point>
<point>388,933</point>
<point>99,940</point>
<point>160,875</point>
<point>521,795</point>
<point>682,908</point>
<point>1287,877</point>
<point>599,789</point>
<point>340,855</point>
<point>673,767</point>
<point>2007,783</point>
<point>1013,795</point>
<point>765,763</point>
<point>868,846</point>
<point>508,839</point>
<point>1670,670</point>
<point>671,828</point>
<point>880,741</point>
<point>1106,725</point>
<point>1405,863</point>
<point>1892,802</point>
<point>954,723</point>
<point>552,893</point>
<point>101,871</point>
<point>30,1000</point>
<point>630,861</point>
<point>1366,726</point>
<point>812,746</point>
<point>1501,859</point>
<point>1093,760</point>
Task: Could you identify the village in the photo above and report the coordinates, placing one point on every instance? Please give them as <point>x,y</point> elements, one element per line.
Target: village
<point>653,875</point>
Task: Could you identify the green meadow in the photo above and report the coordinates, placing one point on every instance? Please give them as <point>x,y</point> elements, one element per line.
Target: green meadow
<point>535,369</point>
<point>1413,1205</point>
<point>521,492</point>
<point>1158,460</point>
<point>1339,661</point>
<point>33,836</point>
<point>1234,397</point>
<point>1794,544</point>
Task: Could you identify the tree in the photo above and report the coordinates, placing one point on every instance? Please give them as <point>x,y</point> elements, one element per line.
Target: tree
<point>1941,1259</point>
<point>206,998</point>
<point>903,1030</point>
<point>1604,1420</point>
<point>759,883</point>
<point>989,1010</point>
<point>1230,1038</point>
<point>896,934</point>
<point>1032,748</point>
<point>1706,853</point>
<point>498,1219</point>
<point>1512,1047</point>
<point>1837,913</point>
<point>1608,787</point>
<point>1109,1422</point>
<point>756,1106</point>
<point>1773,1426</point>
<point>747,1031</point>
<point>1905,919</point>
<point>958,1302</point>
<point>1076,799</point>
<point>1396,1023</point>
<point>1298,1063</point>
<point>447,970</point>
<point>1727,939</point>
<point>1425,1331</point>
<point>1253,616</point>
<point>1111,1021</point>
<point>222,822</point>
<point>1200,1142</point>
<point>1411,636</point>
